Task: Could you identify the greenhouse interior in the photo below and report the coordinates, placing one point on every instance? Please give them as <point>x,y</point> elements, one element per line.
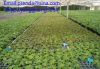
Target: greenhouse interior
<point>49,34</point>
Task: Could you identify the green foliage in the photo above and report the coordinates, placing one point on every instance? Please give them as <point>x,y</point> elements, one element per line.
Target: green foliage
<point>41,45</point>
<point>88,18</point>
<point>11,28</point>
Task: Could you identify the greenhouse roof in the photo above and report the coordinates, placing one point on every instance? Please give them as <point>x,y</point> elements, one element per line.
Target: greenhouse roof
<point>64,2</point>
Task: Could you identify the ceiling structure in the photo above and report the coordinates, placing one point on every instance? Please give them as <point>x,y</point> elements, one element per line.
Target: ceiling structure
<point>64,2</point>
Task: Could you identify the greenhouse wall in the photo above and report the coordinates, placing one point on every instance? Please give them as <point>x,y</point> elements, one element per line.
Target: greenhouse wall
<point>97,8</point>
<point>75,7</point>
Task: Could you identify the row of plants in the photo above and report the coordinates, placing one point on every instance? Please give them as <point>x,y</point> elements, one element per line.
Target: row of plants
<point>40,47</point>
<point>10,28</point>
<point>88,18</point>
<point>40,59</point>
